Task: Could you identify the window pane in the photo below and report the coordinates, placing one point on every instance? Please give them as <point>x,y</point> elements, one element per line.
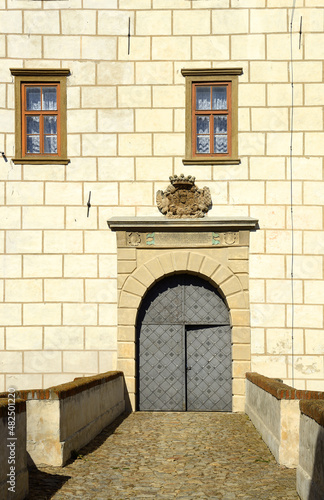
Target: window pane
<point>50,144</point>
<point>219,97</point>
<point>33,101</point>
<point>220,144</point>
<point>202,124</point>
<point>49,98</point>
<point>33,144</point>
<point>50,125</point>
<point>202,97</point>
<point>203,144</point>
<point>220,125</point>
<point>32,124</point>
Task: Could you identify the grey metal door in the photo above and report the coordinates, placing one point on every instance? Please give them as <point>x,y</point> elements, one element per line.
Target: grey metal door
<point>184,348</point>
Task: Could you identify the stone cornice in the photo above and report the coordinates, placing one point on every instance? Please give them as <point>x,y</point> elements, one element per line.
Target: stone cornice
<point>40,71</point>
<point>164,224</point>
<point>211,71</point>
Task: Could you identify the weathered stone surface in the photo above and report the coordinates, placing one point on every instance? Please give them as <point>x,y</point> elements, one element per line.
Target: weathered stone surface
<point>182,199</point>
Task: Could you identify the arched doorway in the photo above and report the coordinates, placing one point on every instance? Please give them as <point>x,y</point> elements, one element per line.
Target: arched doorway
<point>183,339</point>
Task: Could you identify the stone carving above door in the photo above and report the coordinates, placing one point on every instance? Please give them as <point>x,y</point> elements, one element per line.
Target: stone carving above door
<point>183,199</point>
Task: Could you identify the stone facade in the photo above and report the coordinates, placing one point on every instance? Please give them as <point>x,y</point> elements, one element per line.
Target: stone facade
<point>125,137</point>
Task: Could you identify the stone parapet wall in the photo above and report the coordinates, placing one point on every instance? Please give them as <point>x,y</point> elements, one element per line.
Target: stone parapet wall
<point>310,470</point>
<point>280,390</point>
<point>68,389</point>
<point>273,408</point>
<point>13,456</point>
<point>66,417</point>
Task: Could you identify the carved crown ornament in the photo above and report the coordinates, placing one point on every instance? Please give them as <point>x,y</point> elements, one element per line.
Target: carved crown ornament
<point>183,199</point>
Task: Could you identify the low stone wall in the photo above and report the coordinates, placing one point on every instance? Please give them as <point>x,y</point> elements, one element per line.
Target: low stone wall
<point>13,456</point>
<point>310,470</point>
<point>273,407</point>
<point>66,417</point>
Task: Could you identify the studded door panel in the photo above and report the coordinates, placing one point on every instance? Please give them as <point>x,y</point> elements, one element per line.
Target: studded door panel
<point>161,361</point>
<point>209,368</point>
<point>168,343</point>
<point>203,305</point>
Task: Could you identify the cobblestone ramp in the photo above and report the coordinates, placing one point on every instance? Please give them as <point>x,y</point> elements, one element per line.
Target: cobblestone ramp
<point>214,456</point>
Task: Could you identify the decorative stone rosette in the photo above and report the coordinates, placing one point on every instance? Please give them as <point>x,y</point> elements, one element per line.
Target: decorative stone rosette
<point>183,199</point>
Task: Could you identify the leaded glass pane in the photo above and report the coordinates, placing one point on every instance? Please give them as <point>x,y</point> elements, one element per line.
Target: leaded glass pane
<point>49,98</point>
<point>202,124</point>
<point>219,97</point>
<point>203,98</point>
<point>50,144</point>
<point>33,144</point>
<point>203,144</point>
<point>220,125</point>
<point>33,99</point>
<point>32,124</point>
<point>50,125</point>
<point>220,144</point>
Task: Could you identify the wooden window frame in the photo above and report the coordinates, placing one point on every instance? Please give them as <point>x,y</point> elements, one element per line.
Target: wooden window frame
<point>209,77</point>
<point>39,77</point>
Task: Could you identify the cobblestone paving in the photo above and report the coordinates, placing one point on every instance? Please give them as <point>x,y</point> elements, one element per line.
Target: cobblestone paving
<point>214,456</point>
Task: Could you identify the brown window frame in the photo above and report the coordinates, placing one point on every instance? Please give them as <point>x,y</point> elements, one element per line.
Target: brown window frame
<point>41,113</point>
<point>212,77</point>
<point>37,78</point>
<point>211,113</point>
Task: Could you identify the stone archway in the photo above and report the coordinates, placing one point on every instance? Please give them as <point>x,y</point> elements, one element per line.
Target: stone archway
<point>149,249</point>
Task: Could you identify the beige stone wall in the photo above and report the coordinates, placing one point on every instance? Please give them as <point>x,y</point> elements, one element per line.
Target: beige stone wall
<point>58,272</point>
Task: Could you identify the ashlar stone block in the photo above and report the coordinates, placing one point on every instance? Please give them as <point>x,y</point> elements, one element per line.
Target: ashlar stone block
<point>171,48</point>
<point>23,338</point>
<point>63,337</point>
<point>24,242</point>
<point>191,22</point>
<point>99,47</point>
<point>153,22</point>
<point>210,47</point>
<point>75,22</point>
<point>248,47</point>
<point>114,22</point>
<point>41,314</point>
<point>39,22</point>
<point>41,266</point>
<point>140,48</point>
<point>61,47</point>
<point>23,290</point>
<point>154,120</point>
<point>138,96</point>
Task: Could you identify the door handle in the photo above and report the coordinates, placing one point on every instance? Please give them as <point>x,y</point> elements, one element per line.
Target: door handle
<point>188,368</point>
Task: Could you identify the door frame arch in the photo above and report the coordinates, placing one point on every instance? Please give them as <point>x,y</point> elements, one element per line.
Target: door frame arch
<point>140,264</point>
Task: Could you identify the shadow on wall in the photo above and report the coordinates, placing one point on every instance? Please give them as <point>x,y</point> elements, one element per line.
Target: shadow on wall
<point>316,491</point>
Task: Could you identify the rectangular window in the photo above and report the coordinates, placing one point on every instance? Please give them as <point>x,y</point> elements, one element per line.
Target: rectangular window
<point>40,116</point>
<point>211,119</point>
<point>41,119</point>
<point>211,115</point>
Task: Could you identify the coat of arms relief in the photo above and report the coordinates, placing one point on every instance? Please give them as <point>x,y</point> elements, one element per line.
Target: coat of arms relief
<point>183,199</point>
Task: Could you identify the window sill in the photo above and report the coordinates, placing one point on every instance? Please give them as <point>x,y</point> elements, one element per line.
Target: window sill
<point>211,161</point>
<point>41,161</point>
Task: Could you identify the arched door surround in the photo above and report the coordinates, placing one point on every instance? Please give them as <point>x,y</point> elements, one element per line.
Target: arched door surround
<point>150,249</point>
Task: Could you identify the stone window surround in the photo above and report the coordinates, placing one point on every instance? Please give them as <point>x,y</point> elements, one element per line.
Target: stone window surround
<point>141,264</point>
<point>217,75</point>
<point>29,75</point>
